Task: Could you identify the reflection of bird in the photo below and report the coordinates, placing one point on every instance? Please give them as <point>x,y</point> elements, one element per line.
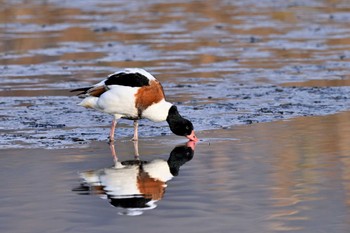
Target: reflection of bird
<point>135,185</point>
<point>134,94</point>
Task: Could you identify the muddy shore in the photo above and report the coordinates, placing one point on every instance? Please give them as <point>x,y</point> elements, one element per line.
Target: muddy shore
<point>37,122</point>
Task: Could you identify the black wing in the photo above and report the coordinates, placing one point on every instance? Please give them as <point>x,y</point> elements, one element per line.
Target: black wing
<point>127,79</point>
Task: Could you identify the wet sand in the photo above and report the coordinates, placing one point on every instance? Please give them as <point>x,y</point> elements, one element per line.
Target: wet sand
<point>37,122</point>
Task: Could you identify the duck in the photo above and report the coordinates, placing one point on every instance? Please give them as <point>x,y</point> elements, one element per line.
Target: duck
<point>135,185</point>
<point>134,94</point>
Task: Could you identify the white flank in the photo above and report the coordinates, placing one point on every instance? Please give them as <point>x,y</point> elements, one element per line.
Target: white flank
<point>120,182</point>
<point>119,100</point>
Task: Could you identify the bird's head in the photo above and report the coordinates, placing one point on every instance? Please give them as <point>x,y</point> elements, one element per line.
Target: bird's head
<point>179,125</point>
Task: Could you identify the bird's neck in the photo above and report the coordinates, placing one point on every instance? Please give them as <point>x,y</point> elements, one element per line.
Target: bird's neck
<point>173,116</point>
<point>157,112</point>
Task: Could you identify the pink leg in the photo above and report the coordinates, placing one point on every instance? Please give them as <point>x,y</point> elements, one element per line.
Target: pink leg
<point>136,150</point>
<point>111,134</point>
<point>136,134</point>
<point>114,154</point>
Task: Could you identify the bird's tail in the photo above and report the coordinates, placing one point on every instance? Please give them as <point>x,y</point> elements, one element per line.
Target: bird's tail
<point>89,102</point>
<point>82,91</point>
<point>95,91</point>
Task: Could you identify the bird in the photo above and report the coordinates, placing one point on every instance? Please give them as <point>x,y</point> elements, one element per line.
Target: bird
<point>135,185</point>
<point>134,94</point>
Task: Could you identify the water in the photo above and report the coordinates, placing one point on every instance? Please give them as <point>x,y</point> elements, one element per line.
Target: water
<point>265,83</point>
<point>271,177</point>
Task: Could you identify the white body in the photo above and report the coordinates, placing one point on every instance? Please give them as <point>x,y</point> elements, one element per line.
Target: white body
<point>119,101</point>
<point>121,181</point>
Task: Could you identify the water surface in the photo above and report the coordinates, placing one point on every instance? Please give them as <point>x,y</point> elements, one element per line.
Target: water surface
<point>271,177</point>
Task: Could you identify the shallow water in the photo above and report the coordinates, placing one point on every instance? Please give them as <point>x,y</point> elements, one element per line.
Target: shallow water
<point>287,176</point>
<point>265,83</point>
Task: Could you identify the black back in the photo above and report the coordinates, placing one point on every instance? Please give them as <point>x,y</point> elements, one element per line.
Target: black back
<point>127,79</point>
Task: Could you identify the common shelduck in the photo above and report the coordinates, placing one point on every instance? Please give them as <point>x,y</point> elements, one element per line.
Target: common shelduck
<point>135,185</point>
<point>134,94</point>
